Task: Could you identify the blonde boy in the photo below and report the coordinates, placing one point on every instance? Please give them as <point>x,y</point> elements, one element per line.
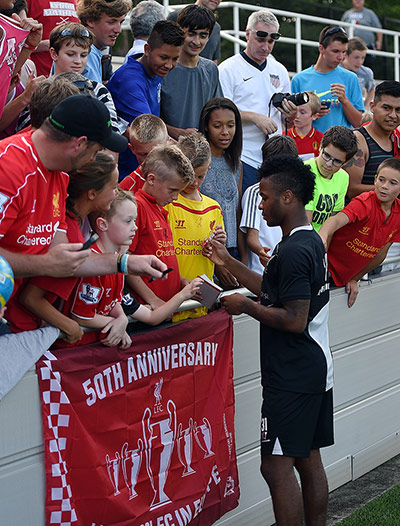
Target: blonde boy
<point>307,138</point>
<point>358,237</point>
<point>166,171</point>
<point>145,132</point>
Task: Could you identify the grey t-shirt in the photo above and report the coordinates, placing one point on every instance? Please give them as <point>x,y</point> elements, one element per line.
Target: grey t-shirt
<point>364,17</point>
<point>212,50</point>
<point>184,91</point>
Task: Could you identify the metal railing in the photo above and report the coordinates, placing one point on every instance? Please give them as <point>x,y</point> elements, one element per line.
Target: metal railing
<point>236,34</point>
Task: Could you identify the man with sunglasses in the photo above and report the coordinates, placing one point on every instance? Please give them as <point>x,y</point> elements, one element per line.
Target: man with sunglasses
<point>338,88</point>
<point>250,79</point>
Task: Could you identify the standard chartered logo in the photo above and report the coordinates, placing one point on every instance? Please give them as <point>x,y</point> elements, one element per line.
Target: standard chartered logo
<point>38,235</point>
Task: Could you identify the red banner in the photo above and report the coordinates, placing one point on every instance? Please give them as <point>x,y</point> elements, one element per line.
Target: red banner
<point>145,436</point>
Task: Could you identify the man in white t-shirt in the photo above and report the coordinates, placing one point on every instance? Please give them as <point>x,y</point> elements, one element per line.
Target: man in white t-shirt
<point>250,79</point>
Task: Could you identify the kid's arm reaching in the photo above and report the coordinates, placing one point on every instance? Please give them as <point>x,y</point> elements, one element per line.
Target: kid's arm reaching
<point>330,226</point>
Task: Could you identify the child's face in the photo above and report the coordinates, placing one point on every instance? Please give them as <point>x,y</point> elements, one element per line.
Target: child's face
<point>387,184</point>
<point>304,116</point>
<point>221,128</point>
<point>70,57</point>
<point>161,60</point>
<point>195,40</point>
<point>199,175</point>
<point>122,225</point>
<point>330,160</point>
<point>356,59</point>
<point>141,149</point>
<point>103,199</point>
<point>106,30</point>
<point>165,190</point>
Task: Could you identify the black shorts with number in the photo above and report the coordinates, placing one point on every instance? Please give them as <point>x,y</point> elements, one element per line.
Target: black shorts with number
<point>294,423</point>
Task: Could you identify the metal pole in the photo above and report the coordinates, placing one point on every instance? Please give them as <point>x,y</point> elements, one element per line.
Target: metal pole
<point>236,28</point>
<point>299,61</point>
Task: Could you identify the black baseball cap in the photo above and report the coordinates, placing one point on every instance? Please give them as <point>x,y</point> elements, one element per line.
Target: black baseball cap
<point>84,115</point>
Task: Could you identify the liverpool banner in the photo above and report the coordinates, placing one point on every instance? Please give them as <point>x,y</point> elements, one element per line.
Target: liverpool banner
<point>143,436</point>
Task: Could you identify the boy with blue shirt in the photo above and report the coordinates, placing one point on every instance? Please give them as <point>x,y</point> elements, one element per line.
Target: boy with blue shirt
<point>136,85</point>
<point>337,86</point>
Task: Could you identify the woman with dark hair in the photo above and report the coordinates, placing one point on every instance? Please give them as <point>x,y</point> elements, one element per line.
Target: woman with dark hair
<point>221,124</point>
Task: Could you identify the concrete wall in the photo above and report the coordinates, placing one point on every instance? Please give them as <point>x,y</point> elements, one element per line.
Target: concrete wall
<point>365,342</point>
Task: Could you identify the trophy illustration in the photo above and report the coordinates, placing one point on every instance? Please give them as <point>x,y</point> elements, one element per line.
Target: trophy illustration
<point>113,471</point>
<point>203,437</point>
<point>131,458</point>
<point>159,437</point>
<point>185,447</point>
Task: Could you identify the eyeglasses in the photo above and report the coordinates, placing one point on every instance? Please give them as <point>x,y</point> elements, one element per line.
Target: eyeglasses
<point>67,32</point>
<point>333,31</point>
<point>335,162</point>
<point>264,34</point>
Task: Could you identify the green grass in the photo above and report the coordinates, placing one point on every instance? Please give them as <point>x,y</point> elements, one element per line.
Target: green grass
<point>382,511</point>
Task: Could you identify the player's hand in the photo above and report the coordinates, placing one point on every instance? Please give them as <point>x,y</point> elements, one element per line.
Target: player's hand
<point>263,256</point>
<point>266,124</point>
<point>216,252</point>
<point>63,260</point>
<point>339,90</point>
<point>226,279</point>
<point>73,332</point>
<point>352,291</point>
<point>115,329</point>
<point>146,265</point>
<point>35,31</point>
<point>233,303</point>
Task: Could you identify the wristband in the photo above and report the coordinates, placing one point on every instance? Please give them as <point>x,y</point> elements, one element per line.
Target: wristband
<point>122,263</point>
<point>28,46</point>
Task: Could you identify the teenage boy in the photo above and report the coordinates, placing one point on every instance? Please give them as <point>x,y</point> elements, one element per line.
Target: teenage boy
<point>376,140</point>
<point>364,230</point>
<point>136,85</point>
<point>354,61</point>
<point>296,363</point>
<point>195,79</point>
<point>145,132</point>
<point>166,171</point>
<point>104,19</point>
<point>336,85</point>
<point>306,137</point>
<point>338,146</point>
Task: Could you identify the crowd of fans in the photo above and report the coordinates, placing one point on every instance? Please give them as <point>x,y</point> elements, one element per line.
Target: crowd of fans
<point>182,141</point>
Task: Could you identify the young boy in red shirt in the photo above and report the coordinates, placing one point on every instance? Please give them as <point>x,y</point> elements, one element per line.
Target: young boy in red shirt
<point>359,236</point>
<point>166,171</point>
<point>145,132</point>
<point>307,138</point>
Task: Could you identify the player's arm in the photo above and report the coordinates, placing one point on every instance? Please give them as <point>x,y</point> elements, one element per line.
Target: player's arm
<point>352,114</point>
<point>175,132</point>
<point>291,317</point>
<point>33,298</point>
<point>330,226</point>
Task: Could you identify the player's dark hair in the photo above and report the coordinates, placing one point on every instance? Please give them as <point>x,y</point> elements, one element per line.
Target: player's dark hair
<point>387,87</point>
<point>287,172</point>
<point>194,17</point>
<point>342,138</point>
<point>166,32</point>
<point>233,152</point>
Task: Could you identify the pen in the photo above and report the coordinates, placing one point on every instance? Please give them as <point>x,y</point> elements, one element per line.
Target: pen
<point>163,274</point>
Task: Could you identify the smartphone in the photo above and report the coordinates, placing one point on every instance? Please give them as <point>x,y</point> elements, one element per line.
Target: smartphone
<point>326,103</point>
<point>163,274</point>
<point>92,239</point>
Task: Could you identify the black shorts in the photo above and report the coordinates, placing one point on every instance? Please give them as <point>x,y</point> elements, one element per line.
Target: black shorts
<point>294,423</point>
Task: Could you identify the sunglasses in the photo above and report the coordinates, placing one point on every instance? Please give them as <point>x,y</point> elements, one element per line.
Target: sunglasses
<point>333,31</point>
<point>264,34</point>
<point>67,32</point>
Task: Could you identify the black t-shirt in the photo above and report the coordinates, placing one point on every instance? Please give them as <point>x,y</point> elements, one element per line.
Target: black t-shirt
<point>297,270</point>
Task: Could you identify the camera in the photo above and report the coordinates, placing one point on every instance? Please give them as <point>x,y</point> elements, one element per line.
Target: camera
<point>297,98</point>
